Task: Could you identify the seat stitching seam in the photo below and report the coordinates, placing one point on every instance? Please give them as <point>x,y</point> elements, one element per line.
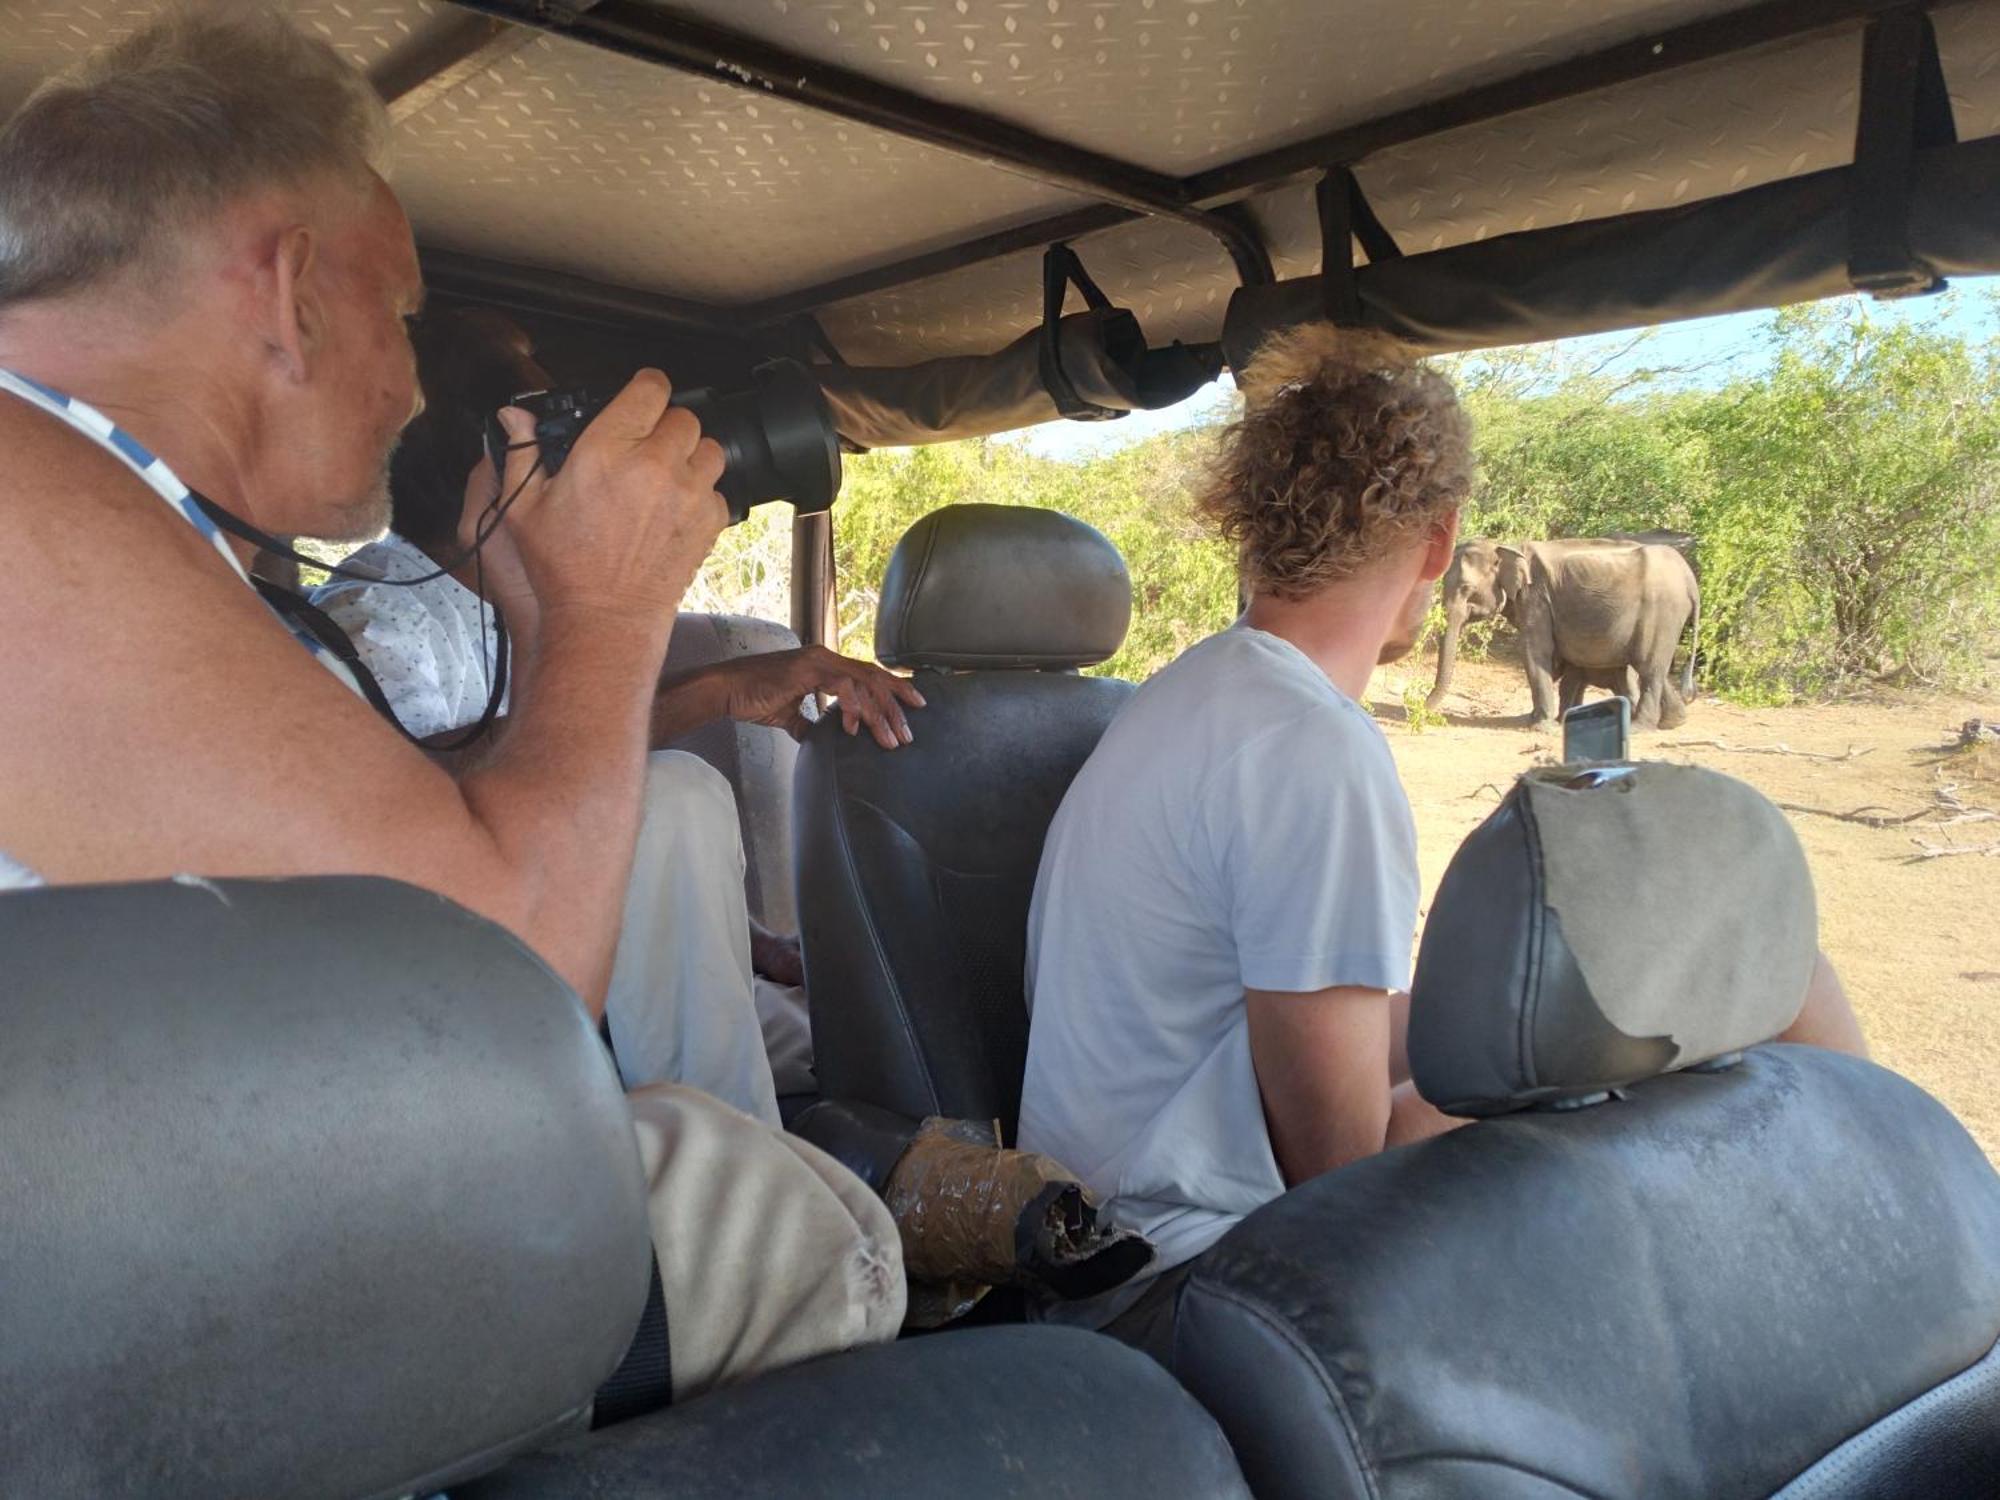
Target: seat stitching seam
<point>1298,1346</point>
<point>875,944</point>
<point>917,583</point>
<point>1491,1461</point>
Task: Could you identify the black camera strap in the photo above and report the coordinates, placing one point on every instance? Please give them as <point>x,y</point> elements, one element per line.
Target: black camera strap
<point>237,527</point>
<point>318,624</point>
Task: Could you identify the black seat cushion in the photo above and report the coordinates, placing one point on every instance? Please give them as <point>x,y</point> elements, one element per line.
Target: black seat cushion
<point>1035,1413</point>
<point>916,868</point>
<point>1695,1292</point>
<point>312,1187</point>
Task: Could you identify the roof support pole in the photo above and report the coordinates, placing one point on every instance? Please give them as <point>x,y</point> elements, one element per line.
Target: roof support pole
<point>659,37</point>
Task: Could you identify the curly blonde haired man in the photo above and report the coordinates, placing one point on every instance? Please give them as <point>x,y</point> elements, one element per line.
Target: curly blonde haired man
<point>1221,930</point>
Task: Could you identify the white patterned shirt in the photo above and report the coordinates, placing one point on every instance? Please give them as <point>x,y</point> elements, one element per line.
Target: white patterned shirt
<point>427,644</point>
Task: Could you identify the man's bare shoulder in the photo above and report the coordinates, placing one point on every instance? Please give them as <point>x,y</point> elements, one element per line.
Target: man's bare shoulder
<point>159,716</point>
<point>63,496</point>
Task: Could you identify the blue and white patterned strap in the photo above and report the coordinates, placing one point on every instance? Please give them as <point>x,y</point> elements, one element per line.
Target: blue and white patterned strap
<point>163,482</point>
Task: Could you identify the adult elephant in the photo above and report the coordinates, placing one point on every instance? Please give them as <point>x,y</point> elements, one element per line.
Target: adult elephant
<point>1474,590</point>
<point>1597,610</point>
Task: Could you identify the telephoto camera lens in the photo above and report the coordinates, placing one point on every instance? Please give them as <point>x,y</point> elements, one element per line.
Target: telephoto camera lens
<point>777,437</point>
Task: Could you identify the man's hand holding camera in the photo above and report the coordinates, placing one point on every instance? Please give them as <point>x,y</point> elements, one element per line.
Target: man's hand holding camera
<point>621,531</point>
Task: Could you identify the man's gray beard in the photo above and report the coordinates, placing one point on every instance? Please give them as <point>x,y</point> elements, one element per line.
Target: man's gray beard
<point>368,517</point>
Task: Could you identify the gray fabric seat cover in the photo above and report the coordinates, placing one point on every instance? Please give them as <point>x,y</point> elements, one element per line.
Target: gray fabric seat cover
<point>756,759</point>
<point>916,866</point>
<point>315,1187</point>
<point>1032,1413</point>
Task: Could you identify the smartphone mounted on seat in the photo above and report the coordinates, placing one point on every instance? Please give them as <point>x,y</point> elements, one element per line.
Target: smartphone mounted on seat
<point>1600,731</point>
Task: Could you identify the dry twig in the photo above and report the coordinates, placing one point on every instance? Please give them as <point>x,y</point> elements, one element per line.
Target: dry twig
<point>1854,752</point>
<point>1946,851</point>
<point>1867,817</point>
<point>1947,808</point>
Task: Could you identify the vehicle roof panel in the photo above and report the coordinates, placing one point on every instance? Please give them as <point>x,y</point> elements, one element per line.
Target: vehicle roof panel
<point>577,160</point>
<point>1178,85</point>
<point>552,155</point>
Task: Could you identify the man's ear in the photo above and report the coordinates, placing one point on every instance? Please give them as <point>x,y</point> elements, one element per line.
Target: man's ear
<point>1439,546</point>
<point>297,316</point>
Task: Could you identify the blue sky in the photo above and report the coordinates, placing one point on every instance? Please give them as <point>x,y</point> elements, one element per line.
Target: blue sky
<point>1710,350</point>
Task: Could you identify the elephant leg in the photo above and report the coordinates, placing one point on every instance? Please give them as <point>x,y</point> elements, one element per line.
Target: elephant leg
<point>1572,682</point>
<point>1673,707</point>
<point>1646,712</point>
<point>1538,650</point>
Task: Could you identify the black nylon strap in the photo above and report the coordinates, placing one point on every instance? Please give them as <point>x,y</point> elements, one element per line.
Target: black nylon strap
<point>1345,215</point>
<point>1905,108</point>
<point>644,1379</point>
<point>1061,269</point>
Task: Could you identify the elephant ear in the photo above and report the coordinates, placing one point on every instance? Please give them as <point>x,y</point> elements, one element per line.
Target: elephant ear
<point>1521,559</point>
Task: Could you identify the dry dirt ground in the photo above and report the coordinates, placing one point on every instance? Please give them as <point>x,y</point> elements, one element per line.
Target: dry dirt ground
<point>1917,942</point>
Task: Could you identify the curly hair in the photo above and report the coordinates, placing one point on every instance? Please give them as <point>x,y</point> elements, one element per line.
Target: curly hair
<point>1347,447</point>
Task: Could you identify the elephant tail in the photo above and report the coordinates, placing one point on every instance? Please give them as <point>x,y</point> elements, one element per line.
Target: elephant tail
<point>1694,649</point>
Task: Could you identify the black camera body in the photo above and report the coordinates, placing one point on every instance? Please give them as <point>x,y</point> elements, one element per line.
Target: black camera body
<point>777,436</point>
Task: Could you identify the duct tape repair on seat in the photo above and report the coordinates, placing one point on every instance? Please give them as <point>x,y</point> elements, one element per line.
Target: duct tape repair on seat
<point>315,1188</point>
<point>1635,1276</point>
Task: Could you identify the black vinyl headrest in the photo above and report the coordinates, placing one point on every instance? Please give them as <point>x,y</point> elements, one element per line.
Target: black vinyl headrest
<point>1002,586</point>
<point>1607,924</point>
<point>313,1187</point>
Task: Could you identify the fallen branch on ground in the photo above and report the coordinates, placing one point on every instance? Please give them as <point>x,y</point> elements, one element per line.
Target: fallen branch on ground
<point>1867,817</point>
<point>1854,752</point>
<point>1947,807</point>
<point>1946,851</point>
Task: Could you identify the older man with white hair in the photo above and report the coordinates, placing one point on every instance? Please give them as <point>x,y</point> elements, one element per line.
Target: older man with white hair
<point>204,284</point>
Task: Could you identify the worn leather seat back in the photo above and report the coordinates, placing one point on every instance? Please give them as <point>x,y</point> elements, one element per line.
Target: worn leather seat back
<point>916,866</point>
<point>1737,1273</point>
<point>757,759</point>
<point>975,1414</point>
<point>314,1187</point>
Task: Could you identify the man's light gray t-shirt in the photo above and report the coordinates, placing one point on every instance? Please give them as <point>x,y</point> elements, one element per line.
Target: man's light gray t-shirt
<point>1240,826</point>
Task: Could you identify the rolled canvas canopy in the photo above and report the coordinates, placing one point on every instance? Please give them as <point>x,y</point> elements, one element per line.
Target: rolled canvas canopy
<point>1104,354</point>
<point>1786,242</point>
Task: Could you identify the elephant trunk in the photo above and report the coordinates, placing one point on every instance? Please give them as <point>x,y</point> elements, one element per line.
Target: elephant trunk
<point>1454,625</point>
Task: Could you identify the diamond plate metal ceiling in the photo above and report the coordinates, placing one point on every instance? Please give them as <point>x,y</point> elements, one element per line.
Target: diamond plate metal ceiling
<point>581,161</point>
<point>1178,85</point>
<point>42,36</point>
<point>565,158</point>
